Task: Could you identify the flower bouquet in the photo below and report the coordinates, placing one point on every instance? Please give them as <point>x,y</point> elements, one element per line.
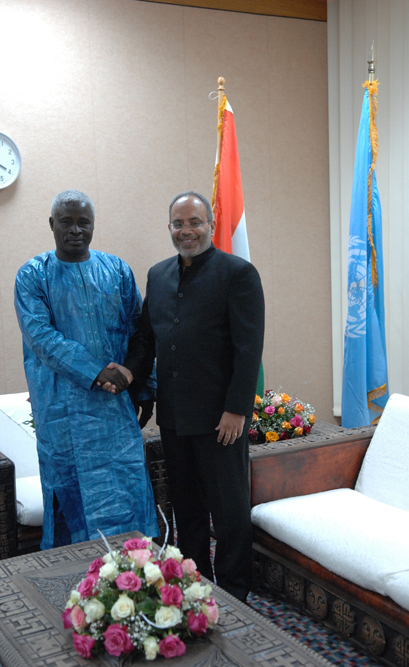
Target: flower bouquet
<point>280,417</point>
<point>133,600</point>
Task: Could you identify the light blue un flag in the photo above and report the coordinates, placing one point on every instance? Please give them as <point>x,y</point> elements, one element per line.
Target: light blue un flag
<point>365,377</point>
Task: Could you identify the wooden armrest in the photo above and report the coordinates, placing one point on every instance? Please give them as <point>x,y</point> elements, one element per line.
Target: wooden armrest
<point>312,468</point>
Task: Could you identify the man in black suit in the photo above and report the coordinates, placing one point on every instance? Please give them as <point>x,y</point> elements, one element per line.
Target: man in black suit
<point>203,319</point>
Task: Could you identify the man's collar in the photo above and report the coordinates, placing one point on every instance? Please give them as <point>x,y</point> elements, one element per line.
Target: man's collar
<point>198,260</point>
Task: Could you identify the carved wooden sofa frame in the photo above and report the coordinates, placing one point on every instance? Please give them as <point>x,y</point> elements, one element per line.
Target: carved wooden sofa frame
<point>375,623</point>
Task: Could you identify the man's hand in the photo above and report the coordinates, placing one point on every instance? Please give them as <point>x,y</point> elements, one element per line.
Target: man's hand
<point>146,413</point>
<point>114,378</point>
<point>230,428</point>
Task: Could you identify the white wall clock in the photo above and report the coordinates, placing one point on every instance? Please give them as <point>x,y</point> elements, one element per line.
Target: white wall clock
<point>10,161</point>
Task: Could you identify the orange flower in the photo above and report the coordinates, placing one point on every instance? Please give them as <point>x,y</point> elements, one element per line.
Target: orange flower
<point>286,425</point>
<point>312,419</point>
<point>299,407</point>
<point>298,430</point>
<point>255,416</point>
<point>257,400</point>
<point>280,411</point>
<point>271,436</point>
<point>285,398</point>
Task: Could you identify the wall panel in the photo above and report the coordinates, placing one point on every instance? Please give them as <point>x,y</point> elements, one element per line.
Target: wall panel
<point>111,97</point>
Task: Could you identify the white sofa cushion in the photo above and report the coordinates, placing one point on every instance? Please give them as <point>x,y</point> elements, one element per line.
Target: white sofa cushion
<point>30,509</point>
<point>397,586</point>
<point>358,538</point>
<point>384,474</point>
<point>17,440</point>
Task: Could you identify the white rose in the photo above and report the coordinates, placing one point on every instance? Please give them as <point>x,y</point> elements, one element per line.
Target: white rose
<point>276,401</point>
<point>167,617</point>
<point>75,597</point>
<point>151,648</point>
<point>173,552</point>
<point>153,573</point>
<point>109,571</point>
<point>94,610</point>
<point>196,592</point>
<point>207,591</point>
<point>108,558</point>
<point>122,608</point>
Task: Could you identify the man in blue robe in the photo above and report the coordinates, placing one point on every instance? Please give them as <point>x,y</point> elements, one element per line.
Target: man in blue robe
<point>76,309</point>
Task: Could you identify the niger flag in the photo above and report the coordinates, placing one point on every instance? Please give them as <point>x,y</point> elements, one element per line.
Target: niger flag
<point>228,204</point>
<point>227,200</point>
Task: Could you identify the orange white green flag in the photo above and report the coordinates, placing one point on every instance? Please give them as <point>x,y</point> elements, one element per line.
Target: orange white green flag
<point>227,200</point>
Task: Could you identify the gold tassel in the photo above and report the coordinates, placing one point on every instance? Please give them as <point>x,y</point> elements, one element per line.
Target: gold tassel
<point>372,88</point>
<point>376,393</point>
<point>221,111</point>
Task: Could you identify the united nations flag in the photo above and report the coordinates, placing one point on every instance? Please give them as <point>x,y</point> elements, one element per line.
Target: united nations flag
<point>365,377</point>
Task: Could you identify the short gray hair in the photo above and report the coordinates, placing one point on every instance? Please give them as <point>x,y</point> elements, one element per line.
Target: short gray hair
<point>68,196</point>
<point>191,193</point>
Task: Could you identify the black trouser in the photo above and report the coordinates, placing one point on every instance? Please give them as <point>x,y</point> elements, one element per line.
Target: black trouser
<point>208,477</point>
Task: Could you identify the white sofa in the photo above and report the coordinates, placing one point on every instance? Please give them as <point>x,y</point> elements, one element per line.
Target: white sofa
<point>358,535</point>
<point>18,443</point>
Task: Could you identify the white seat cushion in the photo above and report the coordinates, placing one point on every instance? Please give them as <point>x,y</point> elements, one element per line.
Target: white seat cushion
<point>384,474</point>
<point>30,509</point>
<point>17,440</point>
<point>358,538</point>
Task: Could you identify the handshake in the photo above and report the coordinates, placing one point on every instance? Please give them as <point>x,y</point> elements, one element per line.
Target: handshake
<point>115,378</point>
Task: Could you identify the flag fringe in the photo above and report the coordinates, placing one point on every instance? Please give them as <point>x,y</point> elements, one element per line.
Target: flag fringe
<point>372,88</point>
<point>221,110</point>
<point>372,395</point>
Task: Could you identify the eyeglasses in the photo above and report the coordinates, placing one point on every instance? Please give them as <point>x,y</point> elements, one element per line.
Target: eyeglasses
<point>195,224</point>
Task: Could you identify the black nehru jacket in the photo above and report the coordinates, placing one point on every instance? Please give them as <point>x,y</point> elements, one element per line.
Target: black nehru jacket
<point>205,325</point>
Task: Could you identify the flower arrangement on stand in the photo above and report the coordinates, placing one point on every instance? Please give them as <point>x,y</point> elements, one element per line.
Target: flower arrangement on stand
<point>133,600</point>
<point>280,417</point>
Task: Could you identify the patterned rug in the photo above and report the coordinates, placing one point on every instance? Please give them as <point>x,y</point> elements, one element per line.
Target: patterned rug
<point>311,633</point>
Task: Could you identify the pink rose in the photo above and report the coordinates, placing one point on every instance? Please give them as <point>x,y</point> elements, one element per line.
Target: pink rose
<point>171,595</point>
<point>117,640</point>
<point>136,543</point>
<point>269,410</point>
<point>253,434</point>
<point>296,421</point>
<point>171,647</point>
<point>276,401</point>
<point>78,618</point>
<point>83,644</point>
<point>128,581</point>
<point>66,619</point>
<point>86,586</point>
<point>212,611</point>
<point>141,556</point>
<point>197,624</point>
<point>171,569</point>
<point>188,566</point>
<point>96,565</point>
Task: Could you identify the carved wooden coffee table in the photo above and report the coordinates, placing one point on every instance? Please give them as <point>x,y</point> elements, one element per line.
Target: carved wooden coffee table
<point>33,594</point>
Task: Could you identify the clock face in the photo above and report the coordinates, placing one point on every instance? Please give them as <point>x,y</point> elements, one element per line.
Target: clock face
<point>10,161</point>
